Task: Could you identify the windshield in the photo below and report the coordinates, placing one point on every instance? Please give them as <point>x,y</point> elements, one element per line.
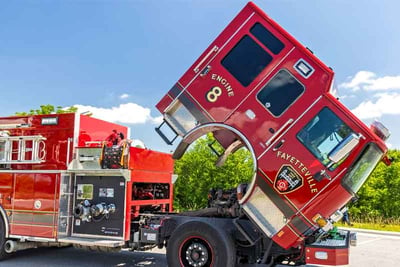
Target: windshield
<point>323,133</point>
<point>362,168</point>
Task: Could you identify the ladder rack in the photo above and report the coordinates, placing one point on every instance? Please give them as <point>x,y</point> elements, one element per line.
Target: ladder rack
<point>22,149</point>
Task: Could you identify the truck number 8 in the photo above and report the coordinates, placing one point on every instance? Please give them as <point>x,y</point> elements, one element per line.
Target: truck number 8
<point>213,94</point>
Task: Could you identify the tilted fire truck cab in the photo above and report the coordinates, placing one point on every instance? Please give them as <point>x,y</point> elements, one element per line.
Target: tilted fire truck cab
<point>61,183</point>
<point>257,87</point>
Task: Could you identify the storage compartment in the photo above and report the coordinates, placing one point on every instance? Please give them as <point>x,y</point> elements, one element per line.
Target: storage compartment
<point>329,251</point>
<point>99,206</point>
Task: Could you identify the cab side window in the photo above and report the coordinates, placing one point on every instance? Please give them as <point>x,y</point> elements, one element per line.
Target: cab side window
<point>267,38</point>
<point>280,92</point>
<point>246,60</point>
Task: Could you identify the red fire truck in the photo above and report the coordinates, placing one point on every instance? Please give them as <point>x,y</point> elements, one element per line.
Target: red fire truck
<point>61,183</point>
<point>256,88</point>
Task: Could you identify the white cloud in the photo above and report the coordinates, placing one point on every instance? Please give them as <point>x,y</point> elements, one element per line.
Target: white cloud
<point>362,77</point>
<point>384,104</point>
<point>369,81</point>
<point>347,96</point>
<point>125,113</point>
<point>124,96</point>
<point>138,143</point>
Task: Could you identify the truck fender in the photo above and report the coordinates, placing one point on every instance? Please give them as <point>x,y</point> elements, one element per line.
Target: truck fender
<point>203,129</point>
<point>5,220</point>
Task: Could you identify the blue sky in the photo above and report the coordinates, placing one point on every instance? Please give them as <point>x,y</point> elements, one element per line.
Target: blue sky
<point>118,58</point>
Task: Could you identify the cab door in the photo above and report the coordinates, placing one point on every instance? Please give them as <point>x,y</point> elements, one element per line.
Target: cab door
<point>235,63</point>
<point>289,172</point>
<point>297,166</point>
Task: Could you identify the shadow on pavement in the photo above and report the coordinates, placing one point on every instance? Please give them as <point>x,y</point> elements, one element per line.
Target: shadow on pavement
<point>70,256</point>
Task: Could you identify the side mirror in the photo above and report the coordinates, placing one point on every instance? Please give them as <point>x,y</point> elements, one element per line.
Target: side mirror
<point>344,148</point>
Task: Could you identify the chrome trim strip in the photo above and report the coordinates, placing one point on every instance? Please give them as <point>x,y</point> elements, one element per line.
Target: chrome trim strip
<point>77,124</point>
<point>117,238</point>
<point>68,150</point>
<point>126,173</point>
<point>102,242</point>
<point>31,238</point>
<point>214,49</point>
<point>5,187</point>
<point>279,131</point>
<point>196,132</point>
<point>193,134</point>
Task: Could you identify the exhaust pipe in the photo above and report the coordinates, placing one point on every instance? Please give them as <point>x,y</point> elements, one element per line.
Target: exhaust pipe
<point>12,246</point>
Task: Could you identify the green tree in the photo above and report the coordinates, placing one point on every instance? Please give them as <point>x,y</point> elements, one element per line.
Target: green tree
<point>197,173</point>
<point>48,109</point>
<point>380,195</point>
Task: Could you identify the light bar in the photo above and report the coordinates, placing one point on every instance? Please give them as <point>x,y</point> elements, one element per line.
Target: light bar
<point>380,130</point>
<point>50,121</point>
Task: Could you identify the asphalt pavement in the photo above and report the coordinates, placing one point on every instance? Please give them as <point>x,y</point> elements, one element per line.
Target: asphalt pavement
<point>373,249</point>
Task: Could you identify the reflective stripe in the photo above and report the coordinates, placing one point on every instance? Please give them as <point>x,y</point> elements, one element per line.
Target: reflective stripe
<point>301,226</point>
<point>43,219</point>
<point>21,218</point>
<point>32,218</point>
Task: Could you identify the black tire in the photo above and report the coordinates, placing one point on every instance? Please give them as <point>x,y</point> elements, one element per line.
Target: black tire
<point>3,253</point>
<point>200,244</point>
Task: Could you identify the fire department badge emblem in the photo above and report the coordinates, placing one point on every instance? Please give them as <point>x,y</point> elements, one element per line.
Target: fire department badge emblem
<point>287,180</point>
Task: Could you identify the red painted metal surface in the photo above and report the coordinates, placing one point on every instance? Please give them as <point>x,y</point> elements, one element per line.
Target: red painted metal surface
<point>147,166</point>
<point>55,150</point>
<point>30,192</point>
<point>335,256</point>
<point>272,138</point>
<point>96,130</point>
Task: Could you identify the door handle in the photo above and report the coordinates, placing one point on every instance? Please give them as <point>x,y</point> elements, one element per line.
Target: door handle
<point>278,132</point>
<point>321,175</point>
<point>279,145</point>
<point>197,68</point>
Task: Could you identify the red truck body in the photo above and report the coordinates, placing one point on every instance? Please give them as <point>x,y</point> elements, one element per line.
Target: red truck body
<point>255,87</point>
<point>69,147</point>
<point>258,87</point>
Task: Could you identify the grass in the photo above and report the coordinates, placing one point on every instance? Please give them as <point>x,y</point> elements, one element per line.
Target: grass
<point>373,226</point>
<point>371,222</point>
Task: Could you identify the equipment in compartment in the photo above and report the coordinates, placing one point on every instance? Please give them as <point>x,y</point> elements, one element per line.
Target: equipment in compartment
<point>112,157</point>
<point>96,212</point>
<point>146,191</point>
<point>99,205</point>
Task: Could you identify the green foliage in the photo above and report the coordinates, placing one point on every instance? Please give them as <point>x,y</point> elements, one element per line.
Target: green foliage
<point>197,173</point>
<point>379,198</point>
<point>48,109</point>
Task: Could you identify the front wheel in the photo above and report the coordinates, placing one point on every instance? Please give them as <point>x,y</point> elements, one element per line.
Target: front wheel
<point>3,253</point>
<point>200,244</point>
